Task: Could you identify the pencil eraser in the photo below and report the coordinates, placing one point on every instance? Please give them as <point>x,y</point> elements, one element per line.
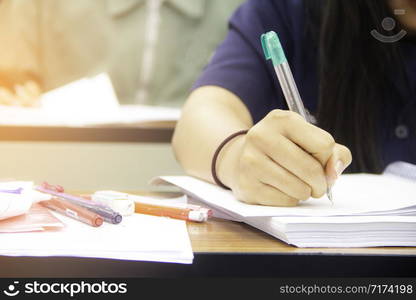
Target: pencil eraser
<point>198,216</point>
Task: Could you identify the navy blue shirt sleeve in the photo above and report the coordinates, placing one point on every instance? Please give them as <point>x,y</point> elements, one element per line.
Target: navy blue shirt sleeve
<point>240,67</point>
<point>238,64</point>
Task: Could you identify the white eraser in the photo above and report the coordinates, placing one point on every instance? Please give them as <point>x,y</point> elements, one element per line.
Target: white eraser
<point>117,201</point>
<point>198,216</point>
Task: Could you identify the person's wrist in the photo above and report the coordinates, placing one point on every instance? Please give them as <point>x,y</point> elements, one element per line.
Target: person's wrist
<point>228,161</point>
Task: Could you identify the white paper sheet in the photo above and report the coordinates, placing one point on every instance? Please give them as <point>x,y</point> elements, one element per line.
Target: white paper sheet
<point>38,218</point>
<point>138,237</point>
<point>88,94</point>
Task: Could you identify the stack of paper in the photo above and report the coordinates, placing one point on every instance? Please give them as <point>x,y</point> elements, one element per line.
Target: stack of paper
<point>123,114</point>
<point>29,229</point>
<point>369,210</point>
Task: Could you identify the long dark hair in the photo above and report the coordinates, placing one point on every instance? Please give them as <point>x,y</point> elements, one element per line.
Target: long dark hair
<point>356,74</point>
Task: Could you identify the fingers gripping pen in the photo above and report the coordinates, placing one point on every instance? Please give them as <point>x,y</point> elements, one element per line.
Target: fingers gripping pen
<point>273,50</point>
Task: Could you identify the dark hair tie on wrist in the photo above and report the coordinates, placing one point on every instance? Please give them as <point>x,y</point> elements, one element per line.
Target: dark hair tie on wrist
<point>216,154</point>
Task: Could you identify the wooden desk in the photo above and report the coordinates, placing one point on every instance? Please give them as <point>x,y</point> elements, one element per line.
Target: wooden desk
<point>222,236</point>
<point>160,132</point>
<point>230,249</point>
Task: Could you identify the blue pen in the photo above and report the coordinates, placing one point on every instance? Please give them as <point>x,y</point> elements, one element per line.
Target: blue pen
<point>273,50</point>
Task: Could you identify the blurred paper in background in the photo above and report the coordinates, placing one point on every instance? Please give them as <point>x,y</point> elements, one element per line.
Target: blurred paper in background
<point>88,101</point>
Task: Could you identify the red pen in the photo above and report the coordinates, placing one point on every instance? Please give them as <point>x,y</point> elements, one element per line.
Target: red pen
<point>105,212</point>
<point>74,211</point>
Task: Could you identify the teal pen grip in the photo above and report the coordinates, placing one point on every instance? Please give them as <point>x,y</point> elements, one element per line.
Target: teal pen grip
<point>272,48</point>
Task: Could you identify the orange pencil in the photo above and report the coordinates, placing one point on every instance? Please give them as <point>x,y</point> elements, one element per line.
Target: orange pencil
<point>74,211</point>
<point>171,212</point>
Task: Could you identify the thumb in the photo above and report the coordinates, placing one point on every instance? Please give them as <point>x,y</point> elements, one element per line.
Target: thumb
<point>340,159</point>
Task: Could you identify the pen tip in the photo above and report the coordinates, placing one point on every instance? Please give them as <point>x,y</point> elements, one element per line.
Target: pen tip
<point>329,195</point>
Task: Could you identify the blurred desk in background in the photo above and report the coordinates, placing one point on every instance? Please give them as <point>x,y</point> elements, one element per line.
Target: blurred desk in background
<point>124,124</point>
<point>144,132</point>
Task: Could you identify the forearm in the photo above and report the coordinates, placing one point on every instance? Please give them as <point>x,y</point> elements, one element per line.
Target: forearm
<point>210,115</point>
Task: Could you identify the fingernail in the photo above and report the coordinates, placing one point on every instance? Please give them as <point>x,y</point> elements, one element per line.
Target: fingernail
<point>330,181</point>
<point>339,168</point>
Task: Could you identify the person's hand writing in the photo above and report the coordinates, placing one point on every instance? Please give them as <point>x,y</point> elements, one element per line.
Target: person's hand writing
<point>283,159</point>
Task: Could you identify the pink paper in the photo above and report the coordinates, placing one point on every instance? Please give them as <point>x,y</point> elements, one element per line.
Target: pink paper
<point>38,218</point>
